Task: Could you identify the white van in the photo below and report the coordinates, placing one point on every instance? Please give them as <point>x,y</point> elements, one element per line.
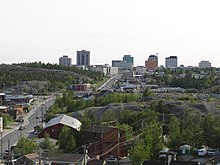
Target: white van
<point>163,153</point>
<point>202,152</point>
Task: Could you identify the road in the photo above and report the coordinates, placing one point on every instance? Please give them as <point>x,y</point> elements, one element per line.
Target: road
<point>108,84</point>
<point>39,109</point>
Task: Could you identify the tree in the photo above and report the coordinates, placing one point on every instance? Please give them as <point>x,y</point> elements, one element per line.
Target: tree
<point>174,132</point>
<point>71,144</point>
<point>149,144</point>
<point>191,128</point>
<point>25,146</point>
<point>147,92</point>
<point>46,144</point>
<point>66,140</point>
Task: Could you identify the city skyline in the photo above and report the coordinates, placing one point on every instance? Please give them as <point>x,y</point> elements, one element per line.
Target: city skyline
<point>45,30</point>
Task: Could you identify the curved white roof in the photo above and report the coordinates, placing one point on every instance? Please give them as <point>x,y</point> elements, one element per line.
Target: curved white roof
<point>65,120</point>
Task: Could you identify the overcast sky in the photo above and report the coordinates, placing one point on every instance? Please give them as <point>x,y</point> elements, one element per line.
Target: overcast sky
<point>44,30</point>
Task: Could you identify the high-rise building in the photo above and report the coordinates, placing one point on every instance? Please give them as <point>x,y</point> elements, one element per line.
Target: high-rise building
<point>152,62</point>
<point>171,62</point>
<point>205,64</point>
<point>128,59</point>
<point>65,60</point>
<point>83,58</point>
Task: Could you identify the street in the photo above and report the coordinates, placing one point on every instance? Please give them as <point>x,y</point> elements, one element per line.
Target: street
<point>39,109</point>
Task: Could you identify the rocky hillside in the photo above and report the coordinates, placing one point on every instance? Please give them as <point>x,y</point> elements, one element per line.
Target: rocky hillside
<point>175,104</point>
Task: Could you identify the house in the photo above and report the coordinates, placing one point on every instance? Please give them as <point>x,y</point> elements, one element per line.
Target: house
<point>29,159</point>
<point>185,149</point>
<point>184,163</point>
<point>171,163</point>
<point>51,159</point>
<point>147,162</point>
<point>105,141</point>
<point>15,112</point>
<point>3,109</point>
<point>2,99</point>
<point>55,125</point>
<point>96,162</point>
<point>63,159</point>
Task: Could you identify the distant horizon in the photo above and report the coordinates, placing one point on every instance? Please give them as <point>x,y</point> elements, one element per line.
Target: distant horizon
<point>45,30</point>
<point>74,63</point>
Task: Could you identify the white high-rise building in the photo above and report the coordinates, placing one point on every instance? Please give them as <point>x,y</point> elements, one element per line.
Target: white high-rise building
<point>171,62</point>
<point>205,64</point>
<point>65,60</point>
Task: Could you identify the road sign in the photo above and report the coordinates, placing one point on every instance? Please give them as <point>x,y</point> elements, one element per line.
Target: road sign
<point>1,124</point>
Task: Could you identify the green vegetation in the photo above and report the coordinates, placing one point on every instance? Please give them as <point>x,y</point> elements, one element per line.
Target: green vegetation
<point>66,141</point>
<point>196,78</point>
<point>40,78</point>
<point>47,145</point>
<point>6,119</point>
<point>67,104</point>
<point>25,146</point>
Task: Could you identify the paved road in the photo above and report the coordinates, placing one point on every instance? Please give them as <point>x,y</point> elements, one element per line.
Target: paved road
<point>30,121</point>
<point>108,84</point>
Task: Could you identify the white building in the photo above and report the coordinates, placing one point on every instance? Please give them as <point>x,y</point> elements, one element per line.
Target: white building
<point>141,70</point>
<point>205,64</point>
<point>65,60</point>
<point>113,70</point>
<point>105,69</point>
<point>171,62</point>
<point>99,68</point>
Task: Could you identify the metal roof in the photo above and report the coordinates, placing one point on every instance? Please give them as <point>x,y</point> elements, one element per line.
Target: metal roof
<point>65,120</point>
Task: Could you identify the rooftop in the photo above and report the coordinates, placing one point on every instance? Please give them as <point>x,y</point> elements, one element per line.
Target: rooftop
<point>65,120</point>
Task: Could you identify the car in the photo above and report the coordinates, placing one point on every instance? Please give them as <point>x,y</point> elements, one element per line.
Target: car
<point>21,127</point>
<point>112,159</point>
<point>213,152</point>
<point>202,152</point>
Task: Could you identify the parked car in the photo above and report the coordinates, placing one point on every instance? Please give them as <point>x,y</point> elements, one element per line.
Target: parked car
<point>213,152</point>
<point>112,159</point>
<point>163,153</point>
<point>21,127</point>
<point>202,152</point>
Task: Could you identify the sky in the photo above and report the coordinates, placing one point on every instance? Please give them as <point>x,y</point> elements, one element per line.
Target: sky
<point>44,30</point>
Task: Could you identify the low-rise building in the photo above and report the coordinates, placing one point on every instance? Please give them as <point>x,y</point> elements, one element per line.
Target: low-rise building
<point>205,64</point>
<point>123,65</point>
<point>80,87</point>
<point>105,141</point>
<point>140,70</point>
<point>106,69</point>
<point>55,125</point>
<point>2,99</point>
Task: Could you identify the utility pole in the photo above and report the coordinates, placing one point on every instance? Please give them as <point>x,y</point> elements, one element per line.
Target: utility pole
<point>118,145</point>
<point>42,114</point>
<point>85,150</point>
<point>1,131</point>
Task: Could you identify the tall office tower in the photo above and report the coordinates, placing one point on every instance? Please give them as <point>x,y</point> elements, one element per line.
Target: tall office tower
<point>152,62</point>
<point>205,64</point>
<point>171,62</point>
<point>65,61</point>
<point>83,58</point>
<point>128,59</point>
